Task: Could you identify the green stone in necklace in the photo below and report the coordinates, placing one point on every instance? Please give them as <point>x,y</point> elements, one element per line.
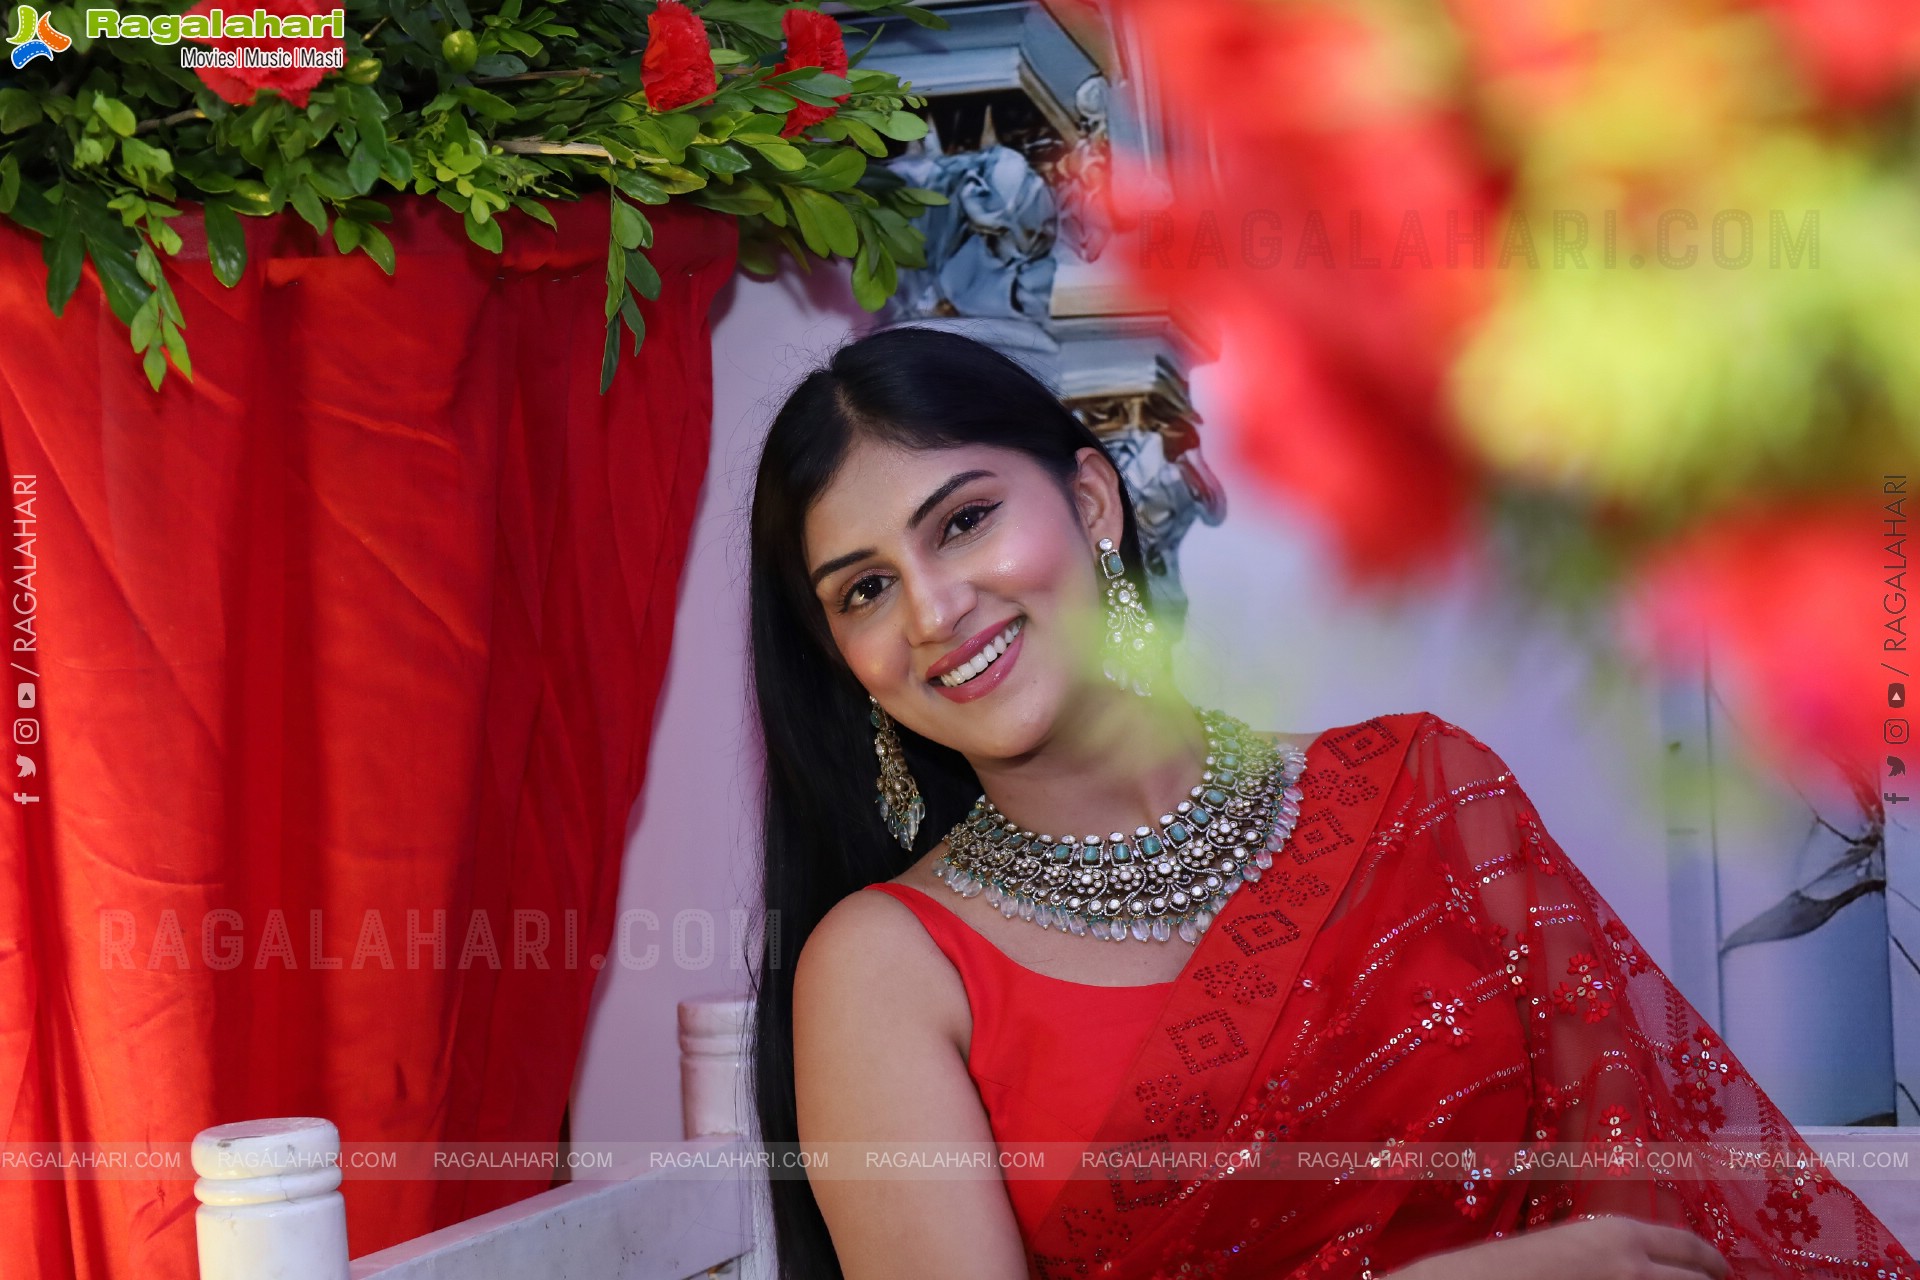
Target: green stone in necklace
<point>1168,879</point>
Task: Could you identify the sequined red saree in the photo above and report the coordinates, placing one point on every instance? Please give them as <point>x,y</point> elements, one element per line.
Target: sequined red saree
<point>1422,964</point>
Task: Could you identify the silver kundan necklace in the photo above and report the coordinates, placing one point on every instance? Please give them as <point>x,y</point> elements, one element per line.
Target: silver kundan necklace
<point>1167,879</point>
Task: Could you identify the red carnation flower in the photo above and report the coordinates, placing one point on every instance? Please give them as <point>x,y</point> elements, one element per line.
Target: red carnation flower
<point>678,66</point>
<point>239,84</point>
<point>813,40</point>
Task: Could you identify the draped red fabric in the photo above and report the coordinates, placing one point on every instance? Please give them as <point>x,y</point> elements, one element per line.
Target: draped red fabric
<point>349,644</point>
<point>1424,964</point>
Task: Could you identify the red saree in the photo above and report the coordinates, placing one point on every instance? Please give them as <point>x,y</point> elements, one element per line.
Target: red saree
<point>1422,963</point>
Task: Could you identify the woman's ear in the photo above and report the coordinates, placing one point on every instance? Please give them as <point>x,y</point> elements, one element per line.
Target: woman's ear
<point>1096,495</point>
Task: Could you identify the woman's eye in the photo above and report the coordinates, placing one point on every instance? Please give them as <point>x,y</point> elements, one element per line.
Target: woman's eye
<point>854,596</point>
<point>973,514</point>
<point>862,590</point>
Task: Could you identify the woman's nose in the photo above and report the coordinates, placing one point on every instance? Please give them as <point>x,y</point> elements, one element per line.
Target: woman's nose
<point>935,606</point>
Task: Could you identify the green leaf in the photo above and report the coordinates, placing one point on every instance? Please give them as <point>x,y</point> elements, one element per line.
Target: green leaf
<point>768,125</point>
<point>721,158</point>
<point>681,128</point>
<point>63,252</point>
<point>9,181</point>
<point>155,364</point>
<point>145,329</point>
<point>306,203</point>
<point>779,154</point>
<point>760,18</point>
<point>832,226</point>
<point>642,276</point>
<point>32,210</point>
<point>18,110</point>
<point>491,105</point>
<point>226,244</point>
<point>616,278</point>
<point>117,114</point>
<point>747,197</point>
<point>610,356</point>
<point>377,246</point>
<point>630,228</point>
<point>177,348</point>
<point>904,126</point>
<point>925,17</point>
<point>675,179</point>
<point>140,155</point>
<point>535,210</point>
<point>865,138</point>
<point>813,80</point>
<point>346,234</point>
<point>768,99</point>
<point>485,234</point>
<point>124,288</point>
<point>641,187</point>
<point>839,169</point>
<point>363,170</point>
<point>637,323</point>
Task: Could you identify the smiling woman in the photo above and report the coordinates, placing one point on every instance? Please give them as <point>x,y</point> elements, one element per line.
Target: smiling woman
<point>1360,936</point>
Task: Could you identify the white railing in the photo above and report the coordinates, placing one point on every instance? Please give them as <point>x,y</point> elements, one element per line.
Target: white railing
<point>271,1206</point>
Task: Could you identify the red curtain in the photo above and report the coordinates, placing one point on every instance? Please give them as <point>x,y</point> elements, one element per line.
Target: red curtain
<point>368,619</point>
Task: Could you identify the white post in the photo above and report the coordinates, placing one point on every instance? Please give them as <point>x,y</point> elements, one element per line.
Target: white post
<point>714,1100</point>
<point>713,1067</point>
<point>270,1203</point>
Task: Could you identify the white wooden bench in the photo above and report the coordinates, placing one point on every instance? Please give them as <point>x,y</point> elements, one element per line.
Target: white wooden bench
<point>286,1219</point>
<point>271,1206</point>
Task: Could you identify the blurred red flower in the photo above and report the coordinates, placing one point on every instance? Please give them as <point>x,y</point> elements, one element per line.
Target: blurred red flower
<point>1787,604</point>
<point>1857,52</point>
<point>1334,234</point>
<point>240,84</point>
<point>813,40</point>
<point>678,66</point>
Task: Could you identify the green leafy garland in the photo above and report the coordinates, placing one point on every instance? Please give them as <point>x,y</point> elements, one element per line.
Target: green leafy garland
<point>486,108</point>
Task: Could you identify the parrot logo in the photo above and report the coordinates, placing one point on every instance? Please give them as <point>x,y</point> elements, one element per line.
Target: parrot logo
<point>34,36</point>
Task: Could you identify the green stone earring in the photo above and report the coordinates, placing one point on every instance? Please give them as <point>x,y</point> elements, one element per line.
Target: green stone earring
<point>1128,626</point>
<point>898,798</point>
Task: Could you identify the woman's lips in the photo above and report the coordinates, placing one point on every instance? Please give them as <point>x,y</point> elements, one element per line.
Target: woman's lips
<point>970,650</point>
<point>987,681</point>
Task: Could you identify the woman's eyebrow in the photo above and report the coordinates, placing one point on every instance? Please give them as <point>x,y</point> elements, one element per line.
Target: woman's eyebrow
<point>919,513</point>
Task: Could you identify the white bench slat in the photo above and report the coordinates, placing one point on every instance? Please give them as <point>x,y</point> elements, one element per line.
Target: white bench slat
<point>649,1226</point>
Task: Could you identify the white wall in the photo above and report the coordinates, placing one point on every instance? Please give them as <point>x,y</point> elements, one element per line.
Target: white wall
<point>1269,637</point>
<point>690,849</point>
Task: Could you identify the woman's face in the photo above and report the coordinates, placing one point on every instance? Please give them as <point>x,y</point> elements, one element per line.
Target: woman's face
<point>925,561</point>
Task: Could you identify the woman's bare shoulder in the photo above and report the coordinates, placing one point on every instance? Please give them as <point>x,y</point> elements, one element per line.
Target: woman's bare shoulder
<point>870,947</point>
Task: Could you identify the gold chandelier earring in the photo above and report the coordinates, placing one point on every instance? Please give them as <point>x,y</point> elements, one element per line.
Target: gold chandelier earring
<point>901,807</point>
<point>1129,628</point>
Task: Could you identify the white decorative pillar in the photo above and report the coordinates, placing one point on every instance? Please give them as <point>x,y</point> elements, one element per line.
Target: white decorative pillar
<point>270,1203</point>
<point>715,1100</point>
<point>713,1067</point>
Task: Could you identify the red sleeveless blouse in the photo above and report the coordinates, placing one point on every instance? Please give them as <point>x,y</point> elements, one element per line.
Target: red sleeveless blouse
<point>1047,1054</point>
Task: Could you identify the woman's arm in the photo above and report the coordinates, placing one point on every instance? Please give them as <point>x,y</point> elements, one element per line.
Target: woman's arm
<point>876,1014</point>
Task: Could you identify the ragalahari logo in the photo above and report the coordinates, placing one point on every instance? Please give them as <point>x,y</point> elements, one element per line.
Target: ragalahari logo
<point>34,37</point>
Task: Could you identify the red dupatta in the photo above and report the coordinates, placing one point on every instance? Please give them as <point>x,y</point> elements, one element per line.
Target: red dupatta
<point>1422,963</point>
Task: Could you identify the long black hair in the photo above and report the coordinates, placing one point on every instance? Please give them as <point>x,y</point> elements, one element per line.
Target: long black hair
<point>913,387</point>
